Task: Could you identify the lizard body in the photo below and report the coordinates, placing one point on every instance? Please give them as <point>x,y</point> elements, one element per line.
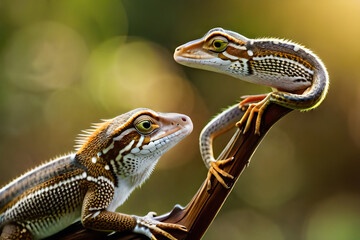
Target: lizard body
<point>110,162</point>
<point>297,76</point>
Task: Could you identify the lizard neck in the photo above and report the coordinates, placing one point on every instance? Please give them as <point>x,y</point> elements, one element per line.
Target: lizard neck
<point>125,185</point>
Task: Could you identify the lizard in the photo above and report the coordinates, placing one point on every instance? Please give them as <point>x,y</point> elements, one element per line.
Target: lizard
<point>110,161</point>
<point>298,78</point>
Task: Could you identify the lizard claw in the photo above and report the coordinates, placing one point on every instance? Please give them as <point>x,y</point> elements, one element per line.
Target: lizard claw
<point>151,214</point>
<point>253,108</point>
<point>149,226</point>
<point>218,173</point>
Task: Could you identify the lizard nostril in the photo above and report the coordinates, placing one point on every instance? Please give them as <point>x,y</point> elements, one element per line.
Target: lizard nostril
<point>184,119</point>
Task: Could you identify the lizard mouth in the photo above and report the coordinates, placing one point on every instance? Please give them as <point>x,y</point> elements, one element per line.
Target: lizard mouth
<point>209,64</point>
<point>192,50</point>
<point>166,138</point>
<point>179,125</point>
<point>183,53</point>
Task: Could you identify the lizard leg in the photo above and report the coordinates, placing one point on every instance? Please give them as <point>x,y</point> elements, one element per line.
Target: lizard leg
<point>95,216</point>
<point>253,108</point>
<point>15,231</point>
<point>220,124</point>
<point>251,99</point>
<point>113,221</point>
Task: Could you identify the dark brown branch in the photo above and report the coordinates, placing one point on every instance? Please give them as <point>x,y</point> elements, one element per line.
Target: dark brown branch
<point>204,206</point>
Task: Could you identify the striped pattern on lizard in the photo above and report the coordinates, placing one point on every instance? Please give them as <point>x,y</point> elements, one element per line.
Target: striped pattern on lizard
<point>110,162</point>
<point>297,76</point>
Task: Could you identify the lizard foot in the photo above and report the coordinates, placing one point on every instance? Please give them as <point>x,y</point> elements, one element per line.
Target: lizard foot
<point>253,108</point>
<point>252,99</point>
<point>218,173</point>
<point>149,226</point>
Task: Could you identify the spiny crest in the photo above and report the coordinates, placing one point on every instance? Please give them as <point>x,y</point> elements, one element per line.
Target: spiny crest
<point>295,45</point>
<point>87,134</point>
<point>113,126</point>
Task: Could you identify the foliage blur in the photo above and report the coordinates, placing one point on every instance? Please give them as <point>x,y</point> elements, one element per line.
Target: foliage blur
<point>67,63</point>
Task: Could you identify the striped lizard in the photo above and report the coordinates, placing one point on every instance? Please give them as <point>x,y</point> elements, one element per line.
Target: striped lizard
<point>111,160</point>
<point>297,76</point>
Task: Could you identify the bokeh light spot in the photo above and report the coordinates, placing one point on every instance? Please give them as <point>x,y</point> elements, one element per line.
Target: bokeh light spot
<point>336,218</point>
<point>136,74</point>
<point>45,56</point>
<point>244,224</point>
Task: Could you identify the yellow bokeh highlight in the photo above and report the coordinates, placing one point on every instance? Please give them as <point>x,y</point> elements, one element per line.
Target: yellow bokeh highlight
<point>135,73</point>
<point>65,64</point>
<point>45,56</point>
<point>245,224</point>
<point>335,218</point>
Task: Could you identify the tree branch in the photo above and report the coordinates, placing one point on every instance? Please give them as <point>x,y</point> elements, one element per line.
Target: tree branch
<point>202,209</point>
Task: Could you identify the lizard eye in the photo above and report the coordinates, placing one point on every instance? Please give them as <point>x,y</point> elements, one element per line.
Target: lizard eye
<point>145,125</point>
<point>219,44</point>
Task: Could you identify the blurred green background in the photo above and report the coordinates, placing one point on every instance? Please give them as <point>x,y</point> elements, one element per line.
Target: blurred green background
<point>67,63</point>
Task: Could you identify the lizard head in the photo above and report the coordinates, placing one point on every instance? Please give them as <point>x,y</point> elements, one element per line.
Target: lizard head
<point>215,51</point>
<point>133,142</point>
